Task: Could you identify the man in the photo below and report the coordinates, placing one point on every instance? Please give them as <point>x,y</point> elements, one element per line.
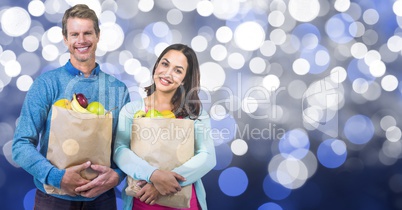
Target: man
<point>80,74</point>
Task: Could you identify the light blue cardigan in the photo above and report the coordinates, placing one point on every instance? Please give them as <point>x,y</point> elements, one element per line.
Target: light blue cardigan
<point>193,170</point>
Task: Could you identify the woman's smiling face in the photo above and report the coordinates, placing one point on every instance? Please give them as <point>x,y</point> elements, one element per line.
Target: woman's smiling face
<point>170,71</point>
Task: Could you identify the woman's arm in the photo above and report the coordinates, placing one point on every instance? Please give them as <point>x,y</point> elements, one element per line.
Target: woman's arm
<point>204,156</point>
<point>124,157</point>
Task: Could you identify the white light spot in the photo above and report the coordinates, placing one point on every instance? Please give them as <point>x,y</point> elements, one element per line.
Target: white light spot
<point>174,16</point>
<point>186,6</point>
<point>393,134</point>
<point>225,9</point>
<point>12,68</point>
<point>397,8</point>
<point>50,52</point>
<point>239,147</point>
<point>143,77</point>
<point>342,5</point>
<point>30,43</point>
<point>278,36</point>
<point>377,68</point>
<point>387,122</point>
<point>276,18</point>
<point>24,82</point>
<point>389,83</point>
<point>15,21</point>
<point>160,29</point>
<point>219,52</point>
<point>358,50</point>
<point>321,58</point>
<point>394,43</point>
<point>304,10</point>
<point>218,112</point>
<point>371,16</point>
<point>339,147</point>
<point>199,43</point>
<point>160,47</point>
<point>7,56</point>
<point>107,16</point>
<point>301,66</point>
<point>268,48</point>
<point>257,65</point>
<point>236,60</point>
<point>249,36</point>
<point>36,8</point>
<point>213,76</point>
<point>372,55</point>
<point>249,105</point>
<point>338,74</point>
<point>360,85</point>
<point>145,5</point>
<point>54,34</point>
<point>205,8</point>
<point>111,37</point>
<point>132,66</point>
<point>224,34</point>
<point>271,82</point>
<point>124,56</point>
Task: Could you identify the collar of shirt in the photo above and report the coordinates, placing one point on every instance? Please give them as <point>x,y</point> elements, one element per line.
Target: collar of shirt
<point>72,70</point>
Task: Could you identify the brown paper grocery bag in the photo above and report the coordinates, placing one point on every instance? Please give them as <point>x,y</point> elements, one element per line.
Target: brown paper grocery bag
<point>76,138</point>
<point>166,144</point>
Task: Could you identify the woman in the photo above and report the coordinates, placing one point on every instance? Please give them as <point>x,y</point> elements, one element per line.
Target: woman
<point>176,85</point>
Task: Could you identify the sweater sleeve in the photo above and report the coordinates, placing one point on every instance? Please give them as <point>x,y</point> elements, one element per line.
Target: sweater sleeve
<point>204,158</point>
<point>124,157</point>
<point>31,125</point>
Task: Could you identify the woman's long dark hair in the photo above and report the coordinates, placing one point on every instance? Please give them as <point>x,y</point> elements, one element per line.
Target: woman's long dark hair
<point>185,100</point>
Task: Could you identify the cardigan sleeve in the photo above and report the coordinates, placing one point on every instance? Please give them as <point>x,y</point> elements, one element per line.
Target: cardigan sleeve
<point>204,158</point>
<point>124,157</point>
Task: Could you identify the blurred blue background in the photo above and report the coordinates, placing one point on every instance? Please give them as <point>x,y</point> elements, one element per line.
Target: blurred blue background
<point>304,95</point>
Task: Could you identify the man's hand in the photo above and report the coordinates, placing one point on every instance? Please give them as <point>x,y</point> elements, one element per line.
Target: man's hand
<point>166,182</point>
<point>106,180</point>
<point>72,178</point>
<point>148,194</point>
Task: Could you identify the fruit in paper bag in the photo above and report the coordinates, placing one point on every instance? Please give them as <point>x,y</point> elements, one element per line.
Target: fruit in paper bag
<point>75,105</point>
<point>168,114</point>
<point>139,114</point>
<point>96,108</point>
<point>153,113</point>
<point>64,103</point>
<point>82,100</point>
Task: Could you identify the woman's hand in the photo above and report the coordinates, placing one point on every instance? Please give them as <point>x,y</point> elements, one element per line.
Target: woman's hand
<point>148,194</point>
<point>166,182</point>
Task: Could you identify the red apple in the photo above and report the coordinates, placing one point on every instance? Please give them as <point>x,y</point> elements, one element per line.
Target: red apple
<point>82,100</point>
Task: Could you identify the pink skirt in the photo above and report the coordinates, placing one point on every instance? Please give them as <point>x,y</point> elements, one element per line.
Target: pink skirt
<point>139,205</point>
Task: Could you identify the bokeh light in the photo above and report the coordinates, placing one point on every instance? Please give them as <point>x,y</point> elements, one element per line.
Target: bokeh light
<point>233,181</point>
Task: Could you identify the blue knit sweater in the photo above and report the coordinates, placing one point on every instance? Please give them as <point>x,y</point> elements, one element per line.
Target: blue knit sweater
<point>32,131</point>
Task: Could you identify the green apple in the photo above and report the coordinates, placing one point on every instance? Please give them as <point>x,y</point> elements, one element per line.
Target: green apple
<point>96,108</point>
<point>153,113</point>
